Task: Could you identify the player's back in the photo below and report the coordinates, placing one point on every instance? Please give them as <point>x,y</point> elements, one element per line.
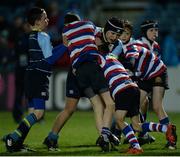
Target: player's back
<point>81,40</point>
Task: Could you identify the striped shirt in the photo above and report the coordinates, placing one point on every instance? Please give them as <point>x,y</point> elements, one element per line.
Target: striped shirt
<point>115,74</point>
<point>146,64</point>
<point>154,47</point>
<point>81,41</point>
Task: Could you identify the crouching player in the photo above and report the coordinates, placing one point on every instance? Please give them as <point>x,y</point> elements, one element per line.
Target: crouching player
<point>126,95</point>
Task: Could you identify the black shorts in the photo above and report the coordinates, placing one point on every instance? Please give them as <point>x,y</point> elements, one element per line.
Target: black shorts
<point>128,100</point>
<point>72,88</point>
<point>90,75</point>
<point>36,85</point>
<point>147,85</point>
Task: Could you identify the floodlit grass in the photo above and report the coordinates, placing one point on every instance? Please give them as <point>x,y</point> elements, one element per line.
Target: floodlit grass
<point>79,135</point>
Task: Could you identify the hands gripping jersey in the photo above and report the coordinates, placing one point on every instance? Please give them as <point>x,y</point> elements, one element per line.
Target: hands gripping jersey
<point>81,41</point>
<point>146,64</point>
<point>115,74</point>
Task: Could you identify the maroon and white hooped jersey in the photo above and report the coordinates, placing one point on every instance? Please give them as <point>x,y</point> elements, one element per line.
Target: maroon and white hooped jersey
<point>115,74</point>
<point>81,40</point>
<point>146,65</point>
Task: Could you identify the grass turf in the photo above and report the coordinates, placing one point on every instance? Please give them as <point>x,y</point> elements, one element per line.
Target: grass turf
<point>79,135</point>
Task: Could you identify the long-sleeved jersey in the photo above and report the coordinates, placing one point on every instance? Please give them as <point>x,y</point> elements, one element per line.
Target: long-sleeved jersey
<point>81,41</point>
<point>115,74</point>
<point>146,64</point>
<point>154,47</point>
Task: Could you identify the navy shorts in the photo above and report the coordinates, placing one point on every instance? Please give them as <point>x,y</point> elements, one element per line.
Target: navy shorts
<point>147,85</point>
<point>72,88</point>
<point>36,85</point>
<point>90,75</point>
<point>128,100</point>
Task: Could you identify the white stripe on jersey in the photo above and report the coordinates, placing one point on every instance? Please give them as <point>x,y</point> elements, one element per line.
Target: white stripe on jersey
<point>78,29</point>
<point>157,69</point>
<point>84,37</point>
<point>77,50</point>
<point>121,86</point>
<point>111,68</point>
<point>117,77</point>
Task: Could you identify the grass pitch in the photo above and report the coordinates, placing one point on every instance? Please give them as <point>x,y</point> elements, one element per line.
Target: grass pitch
<point>79,135</point>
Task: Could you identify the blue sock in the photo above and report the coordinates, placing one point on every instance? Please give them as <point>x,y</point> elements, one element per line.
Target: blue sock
<point>24,127</point>
<point>164,121</point>
<point>53,136</point>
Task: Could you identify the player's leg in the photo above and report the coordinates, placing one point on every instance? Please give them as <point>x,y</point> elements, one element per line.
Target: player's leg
<point>36,83</point>
<point>73,95</point>
<point>98,108</point>
<point>51,141</point>
<point>145,88</point>
<point>14,141</point>
<point>128,132</point>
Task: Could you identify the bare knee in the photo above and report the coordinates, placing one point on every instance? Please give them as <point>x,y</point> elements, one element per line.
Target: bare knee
<point>39,114</point>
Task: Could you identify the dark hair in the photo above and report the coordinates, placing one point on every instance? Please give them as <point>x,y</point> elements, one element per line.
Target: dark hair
<point>114,24</point>
<point>71,17</point>
<point>147,25</point>
<point>128,24</point>
<point>34,14</point>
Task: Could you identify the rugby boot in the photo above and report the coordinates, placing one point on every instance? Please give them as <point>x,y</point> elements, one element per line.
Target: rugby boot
<point>171,137</point>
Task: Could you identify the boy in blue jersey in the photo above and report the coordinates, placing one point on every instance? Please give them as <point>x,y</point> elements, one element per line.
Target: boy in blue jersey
<point>36,79</point>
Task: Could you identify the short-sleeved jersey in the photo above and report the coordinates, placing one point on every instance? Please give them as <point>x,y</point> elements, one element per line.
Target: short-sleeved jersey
<point>81,41</point>
<point>115,74</point>
<point>40,49</point>
<point>146,64</point>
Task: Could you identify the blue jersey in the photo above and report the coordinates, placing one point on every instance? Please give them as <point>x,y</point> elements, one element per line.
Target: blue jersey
<point>40,48</point>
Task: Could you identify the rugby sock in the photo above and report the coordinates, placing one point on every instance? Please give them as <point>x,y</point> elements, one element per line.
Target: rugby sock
<point>164,120</point>
<point>24,127</point>
<point>105,133</point>
<point>53,136</point>
<point>129,134</point>
<point>157,127</point>
<point>132,128</point>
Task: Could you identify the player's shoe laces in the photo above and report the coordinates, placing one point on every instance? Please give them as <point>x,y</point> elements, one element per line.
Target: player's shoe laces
<point>51,144</point>
<point>103,143</point>
<point>171,136</point>
<point>134,151</point>
<point>146,139</point>
<point>13,146</point>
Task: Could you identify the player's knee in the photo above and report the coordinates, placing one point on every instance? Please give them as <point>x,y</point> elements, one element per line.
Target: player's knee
<point>70,109</point>
<point>39,114</point>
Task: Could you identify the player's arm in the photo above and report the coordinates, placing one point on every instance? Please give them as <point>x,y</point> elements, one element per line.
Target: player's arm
<point>57,53</point>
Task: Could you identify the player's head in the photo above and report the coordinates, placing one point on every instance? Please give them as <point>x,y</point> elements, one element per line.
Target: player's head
<point>112,29</point>
<point>37,18</point>
<point>71,17</point>
<point>149,29</point>
<point>127,33</point>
